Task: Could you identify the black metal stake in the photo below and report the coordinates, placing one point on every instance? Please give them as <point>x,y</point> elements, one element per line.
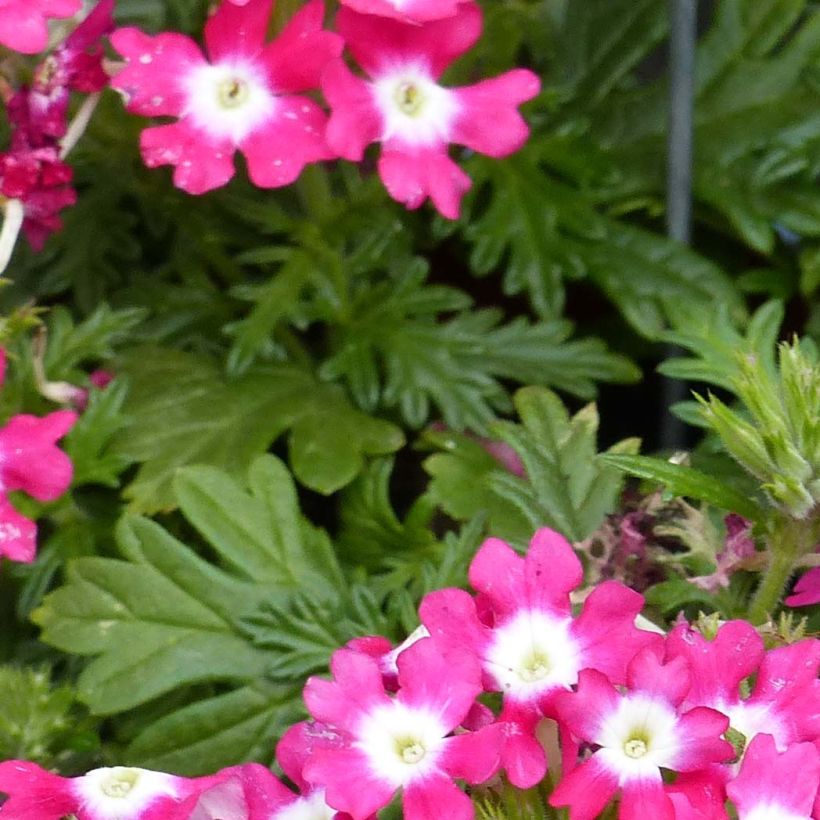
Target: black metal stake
<point>683,25</point>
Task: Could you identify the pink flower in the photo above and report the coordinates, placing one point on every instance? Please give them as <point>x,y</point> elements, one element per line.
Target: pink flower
<point>782,702</point>
<point>807,589</point>
<point>30,461</point>
<point>117,793</point>
<point>39,112</point>
<point>402,742</point>
<point>41,181</point>
<point>637,734</point>
<point>415,119</point>
<point>23,24</point>
<point>774,784</point>
<point>243,98</point>
<point>526,640</point>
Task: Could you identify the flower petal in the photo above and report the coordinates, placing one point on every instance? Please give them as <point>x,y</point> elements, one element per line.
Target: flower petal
<point>200,164</point>
<point>278,150</point>
<point>235,31</point>
<point>296,59</point>
<point>379,43</point>
<point>488,120</point>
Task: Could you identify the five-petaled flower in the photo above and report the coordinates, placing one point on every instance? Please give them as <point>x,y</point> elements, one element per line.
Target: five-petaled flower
<point>522,632</point>
<point>404,742</point>
<point>636,734</point>
<point>245,97</point>
<point>403,106</point>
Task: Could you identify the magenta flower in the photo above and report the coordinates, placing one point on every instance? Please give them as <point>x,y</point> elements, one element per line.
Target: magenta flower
<point>526,640</point>
<point>403,742</point>
<point>117,793</point>
<point>636,734</point>
<point>23,25</point>
<point>403,107</point>
<point>41,181</point>
<point>782,702</point>
<point>738,553</point>
<point>778,785</point>
<point>807,589</point>
<point>30,461</point>
<point>244,97</point>
<point>39,112</point>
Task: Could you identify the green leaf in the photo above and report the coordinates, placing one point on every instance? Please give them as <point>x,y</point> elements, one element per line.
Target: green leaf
<point>208,735</point>
<point>459,364</point>
<point>151,635</point>
<point>39,721</point>
<point>164,619</point>
<point>686,481</point>
<point>87,443</point>
<point>183,411</point>
<point>716,342</point>
<point>567,484</point>
<point>260,534</point>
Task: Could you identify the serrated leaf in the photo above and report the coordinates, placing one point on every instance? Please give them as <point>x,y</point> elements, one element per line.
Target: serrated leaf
<point>566,484</point>
<point>260,534</point>
<point>459,364</point>
<point>151,636</point>
<point>686,481</point>
<point>184,411</point>
<point>87,443</point>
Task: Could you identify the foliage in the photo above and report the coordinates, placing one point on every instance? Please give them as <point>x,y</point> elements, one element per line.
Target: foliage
<point>565,486</point>
<point>424,384</point>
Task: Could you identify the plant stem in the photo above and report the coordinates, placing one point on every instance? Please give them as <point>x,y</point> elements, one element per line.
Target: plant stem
<point>788,540</point>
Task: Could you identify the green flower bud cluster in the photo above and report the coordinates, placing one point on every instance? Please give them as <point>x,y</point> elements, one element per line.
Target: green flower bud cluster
<point>777,438</point>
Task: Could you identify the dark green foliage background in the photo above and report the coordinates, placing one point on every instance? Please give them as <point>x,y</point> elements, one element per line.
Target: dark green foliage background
<point>192,579</point>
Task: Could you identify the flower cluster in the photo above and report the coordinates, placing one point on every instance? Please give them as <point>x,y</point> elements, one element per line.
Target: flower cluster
<point>30,461</point>
<point>33,173</point>
<point>249,95</point>
<point>669,726</point>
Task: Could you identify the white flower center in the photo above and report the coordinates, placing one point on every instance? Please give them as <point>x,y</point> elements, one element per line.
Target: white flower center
<point>121,793</point>
<point>228,100</point>
<point>751,719</point>
<point>401,742</point>
<point>638,737</point>
<point>415,109</point>
<point>533,653</point>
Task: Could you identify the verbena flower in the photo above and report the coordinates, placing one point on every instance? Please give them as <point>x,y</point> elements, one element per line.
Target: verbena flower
<point>522,632</point>
<point>636,734</point>
<point>117,793</point>
<point>23,23</point>
<point>403,106</point>
<point>783,700</point>
<point>404,742</point>
<point>244,96</point>
<point>30,461</point>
